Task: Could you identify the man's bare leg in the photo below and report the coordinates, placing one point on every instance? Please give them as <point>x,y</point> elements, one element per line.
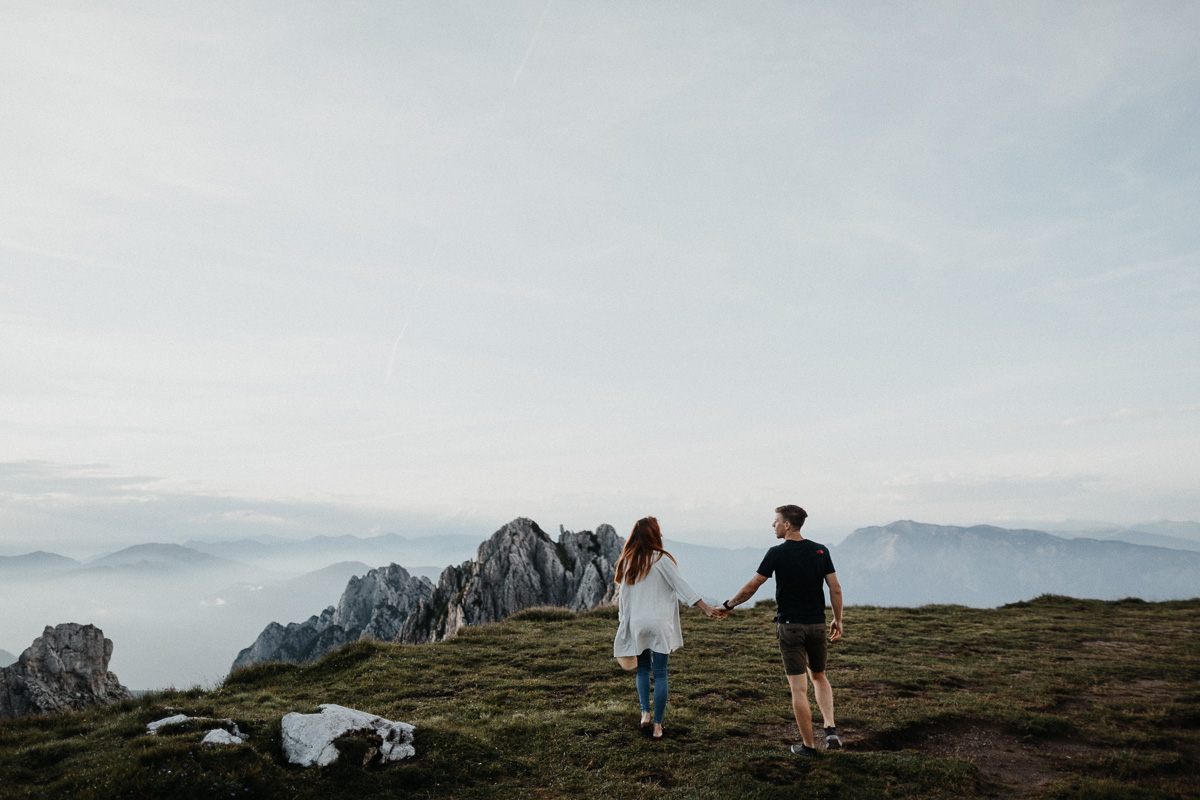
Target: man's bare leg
<point>824,693</point>
<point>799,686</point>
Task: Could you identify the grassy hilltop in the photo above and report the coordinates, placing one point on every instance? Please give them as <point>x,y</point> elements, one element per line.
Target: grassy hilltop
<point>1056,698</point>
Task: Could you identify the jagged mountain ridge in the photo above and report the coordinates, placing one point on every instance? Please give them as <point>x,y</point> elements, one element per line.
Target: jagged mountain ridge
<point>519,567</point>
<point>375,605</point>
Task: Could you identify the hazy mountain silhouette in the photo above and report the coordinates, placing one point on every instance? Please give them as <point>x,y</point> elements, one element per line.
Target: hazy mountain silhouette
<point>158,557</point>
<point>1182,530</point>
<point>911,563</point>
<point>6,658</point>
<point>39,563</point>
<point>717,573</point>
<point>1133,536</point>
<point>312,554</point>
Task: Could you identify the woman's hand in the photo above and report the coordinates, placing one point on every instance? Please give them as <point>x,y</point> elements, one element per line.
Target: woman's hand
<point>711,612</point>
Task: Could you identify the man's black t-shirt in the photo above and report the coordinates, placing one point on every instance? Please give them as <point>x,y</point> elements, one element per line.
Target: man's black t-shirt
<point>799,569</point>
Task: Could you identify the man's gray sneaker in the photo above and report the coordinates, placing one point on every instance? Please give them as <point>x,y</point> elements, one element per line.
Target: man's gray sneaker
<point>804,750</point>
<point>832,742</point>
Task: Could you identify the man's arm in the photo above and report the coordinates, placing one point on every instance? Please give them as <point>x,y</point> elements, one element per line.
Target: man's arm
<point>746,592</point>
<point>835,600</point>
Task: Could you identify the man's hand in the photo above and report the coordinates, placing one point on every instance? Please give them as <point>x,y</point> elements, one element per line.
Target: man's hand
<point>835,630</point>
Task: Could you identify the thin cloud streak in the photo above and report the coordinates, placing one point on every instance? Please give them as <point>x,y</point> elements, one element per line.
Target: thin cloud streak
<point>1127,414</point>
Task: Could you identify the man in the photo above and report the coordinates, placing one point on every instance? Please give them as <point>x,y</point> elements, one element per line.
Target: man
<point>800,568</point>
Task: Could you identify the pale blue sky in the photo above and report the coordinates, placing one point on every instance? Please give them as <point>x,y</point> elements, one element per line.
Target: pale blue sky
<point>453,263</point>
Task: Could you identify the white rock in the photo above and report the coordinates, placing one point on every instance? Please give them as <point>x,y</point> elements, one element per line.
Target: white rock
<point>231,727</point>
<point>221,736</point>
<point>154,727</point>
<point>308,738</point>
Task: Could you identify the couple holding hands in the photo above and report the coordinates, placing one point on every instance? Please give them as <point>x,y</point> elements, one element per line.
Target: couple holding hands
<point>650,588</point>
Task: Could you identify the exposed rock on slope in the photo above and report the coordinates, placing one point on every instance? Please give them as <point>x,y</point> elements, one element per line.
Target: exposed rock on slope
<point>66,668</point>
<point>374,605</point>
<point>308,739</point>
<point>518,567</point>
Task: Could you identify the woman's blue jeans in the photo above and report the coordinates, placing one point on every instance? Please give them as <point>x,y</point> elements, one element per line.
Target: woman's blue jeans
<point>648,661</point>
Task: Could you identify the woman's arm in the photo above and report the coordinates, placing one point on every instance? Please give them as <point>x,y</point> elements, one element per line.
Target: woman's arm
<point>683,590</point>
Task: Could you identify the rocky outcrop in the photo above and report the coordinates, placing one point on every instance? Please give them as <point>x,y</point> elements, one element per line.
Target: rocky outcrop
<point>66,668</point>
<point>519,567</point>
<point>308,739</point>
<point>374,605</point>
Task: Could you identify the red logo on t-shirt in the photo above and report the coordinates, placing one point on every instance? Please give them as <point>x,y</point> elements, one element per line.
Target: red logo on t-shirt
<point>820,551</point>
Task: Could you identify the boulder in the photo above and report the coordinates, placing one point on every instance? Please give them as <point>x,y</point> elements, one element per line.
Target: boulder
<point>66,668</point>
<point>308,739</point>
<point>153,728</point>
<point>222,736</point>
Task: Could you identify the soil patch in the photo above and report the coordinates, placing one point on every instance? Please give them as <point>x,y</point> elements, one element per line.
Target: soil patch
<point>1019,764</point>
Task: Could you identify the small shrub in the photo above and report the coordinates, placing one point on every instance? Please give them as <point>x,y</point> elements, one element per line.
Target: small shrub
<point>258,674</point>
<point>544,614</point>
<point>346,656</point>
<point>609,611</point>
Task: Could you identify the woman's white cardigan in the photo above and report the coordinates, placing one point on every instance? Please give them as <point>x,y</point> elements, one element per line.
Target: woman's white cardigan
<point>649,610</point>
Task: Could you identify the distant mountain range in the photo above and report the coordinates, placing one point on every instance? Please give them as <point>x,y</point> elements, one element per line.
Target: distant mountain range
<point>158,557</point>
<point>422,555</point>
<point>6,658</point>
<point>152,557</point>
<point>911,563</point>
<point>179,613</point>
<point>319,551</point>
<point>1176,535</point>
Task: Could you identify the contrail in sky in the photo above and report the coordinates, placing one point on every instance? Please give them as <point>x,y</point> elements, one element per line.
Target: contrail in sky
<point>408,316</point>
<point>536,34</point>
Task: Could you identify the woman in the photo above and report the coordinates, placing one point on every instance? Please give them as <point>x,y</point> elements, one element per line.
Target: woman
<point>650,589</point>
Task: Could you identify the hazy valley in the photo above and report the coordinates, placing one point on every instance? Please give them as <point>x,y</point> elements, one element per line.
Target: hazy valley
<point>179,614</point>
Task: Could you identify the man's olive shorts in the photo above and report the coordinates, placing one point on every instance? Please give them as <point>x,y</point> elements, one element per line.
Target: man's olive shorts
<point>802,646</point>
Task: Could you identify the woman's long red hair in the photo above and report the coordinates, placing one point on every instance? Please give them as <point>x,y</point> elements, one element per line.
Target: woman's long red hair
<point>642,549</point>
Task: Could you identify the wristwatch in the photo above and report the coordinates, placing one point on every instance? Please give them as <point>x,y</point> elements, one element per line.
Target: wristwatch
<point>725,605</point>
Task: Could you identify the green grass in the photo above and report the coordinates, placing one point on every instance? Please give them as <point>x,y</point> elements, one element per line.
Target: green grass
<point>1055,698</point>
